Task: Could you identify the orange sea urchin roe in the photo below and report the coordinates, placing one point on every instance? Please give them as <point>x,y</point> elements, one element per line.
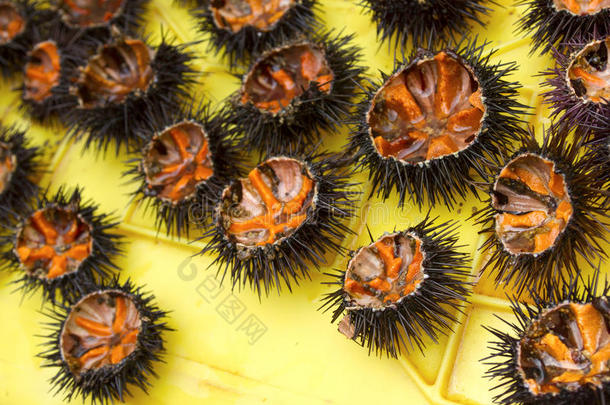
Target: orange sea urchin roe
<point>589,72</point>
<point>274,81</point>
<point>8,165</point>
<point>582,7</point>
<point>429,110</point>
<point>385,271</point>
<point>88,13</point>
<point>177,161</point>
<point>42,71</point>
<point>53,241</point>
<point>533,202</point>
<point>566,348</point>
<point>233,15</point>
<point>114,73</point>
<point>11,22</point>
<point>102,329</point>
<point>271,203</point>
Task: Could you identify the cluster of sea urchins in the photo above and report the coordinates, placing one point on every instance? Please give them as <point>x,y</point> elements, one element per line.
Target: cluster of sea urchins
<point>80,65</point>
<point>440,120</point>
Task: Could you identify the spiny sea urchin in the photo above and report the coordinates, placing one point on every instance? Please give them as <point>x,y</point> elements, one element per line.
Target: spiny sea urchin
<point>276,224</point>
<point>105,341</point>
<point>61,245</point>
<point>543,212</point>
<point>402,288</point>
<point>435,122</point>
<point>296,90</point>
<point>185,165</point>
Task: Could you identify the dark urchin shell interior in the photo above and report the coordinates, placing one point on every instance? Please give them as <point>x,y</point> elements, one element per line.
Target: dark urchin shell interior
<point>97,267</point>
<point>299,125</point>
<point>226,160</point>
<point>289,260</point>
<point>108,384</point>
<point>426,313</point>
<point>447,179</point>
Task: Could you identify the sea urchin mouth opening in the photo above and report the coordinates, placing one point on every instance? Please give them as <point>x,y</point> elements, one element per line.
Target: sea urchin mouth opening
<point>90,13</point>
<point>11,22</point>
<point>270,204</point>
<point>567,347</point>
<point>588,74</point>
<point>177,161</point>
<point>582,7</point>
<point>101,330</point>
<point>386,271</point>
<point>534,205</point>
<point>284,74</point>
<point>115,72</point>
<point>234,15</point>
<point>54,241</point>
<point>42,71</point>
<point>430,109</point>
<point>8,164</point>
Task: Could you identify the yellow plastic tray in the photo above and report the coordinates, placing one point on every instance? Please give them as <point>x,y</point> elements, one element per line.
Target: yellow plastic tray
<point>229,348</point>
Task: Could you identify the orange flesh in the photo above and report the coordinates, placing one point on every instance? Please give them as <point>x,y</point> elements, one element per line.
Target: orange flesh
<point>533,231</point>
<point>582,7</point>
<point>429,110</point>
<point>42,71</point>
<point>11,23</point>
<point>177,161</point>
<point>50,248</point>
<point>233,15</point>
<point>285,74</point>
<point>102,329</point>
<point>117,71</point>
<point>589,73</point>
<point>278,218</point>
<point>570,356</point>
<point>87,13</point>
<point>377,275</point>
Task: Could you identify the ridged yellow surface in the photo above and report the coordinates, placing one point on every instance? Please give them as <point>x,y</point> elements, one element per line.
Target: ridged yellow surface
<point>298,357</point>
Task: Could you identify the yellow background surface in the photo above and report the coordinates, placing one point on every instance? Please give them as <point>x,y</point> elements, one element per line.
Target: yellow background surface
<point>214,356</point>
